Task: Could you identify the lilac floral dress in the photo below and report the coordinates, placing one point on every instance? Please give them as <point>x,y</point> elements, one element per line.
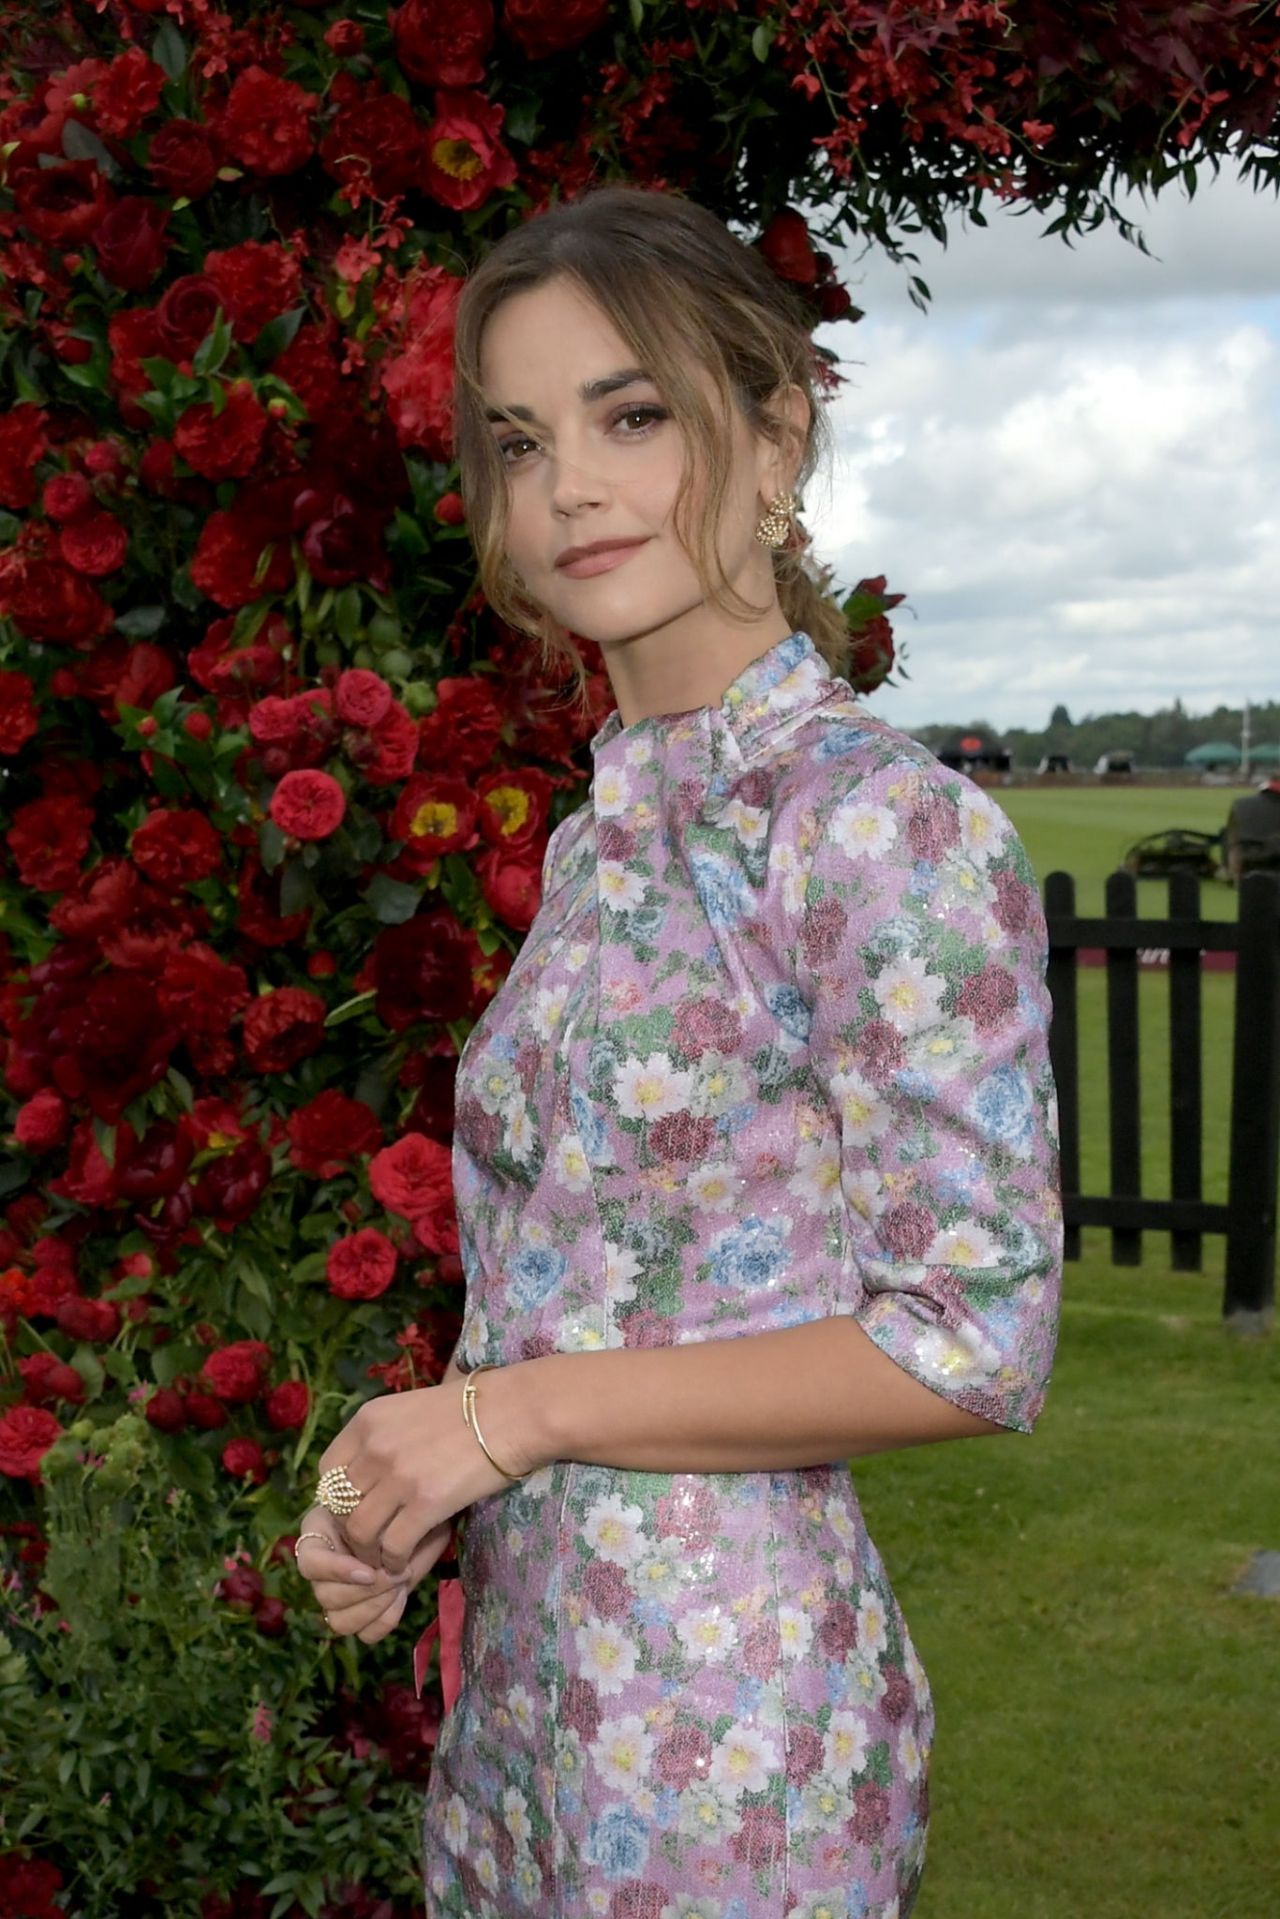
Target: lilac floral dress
<point>774,1049</point>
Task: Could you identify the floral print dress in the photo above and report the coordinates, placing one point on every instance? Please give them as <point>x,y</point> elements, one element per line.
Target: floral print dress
<point>774,1049</point>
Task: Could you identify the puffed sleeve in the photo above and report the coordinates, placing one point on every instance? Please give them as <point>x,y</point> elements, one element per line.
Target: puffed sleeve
<point>920,954</point>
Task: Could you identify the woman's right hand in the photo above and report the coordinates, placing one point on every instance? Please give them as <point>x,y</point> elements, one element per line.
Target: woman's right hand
<point>349,1599</point>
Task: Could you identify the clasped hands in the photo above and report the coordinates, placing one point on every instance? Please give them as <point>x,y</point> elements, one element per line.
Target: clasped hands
<point>418,1465</point>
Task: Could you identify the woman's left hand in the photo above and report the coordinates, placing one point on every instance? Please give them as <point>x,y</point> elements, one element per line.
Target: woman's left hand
<point>417,1464</point>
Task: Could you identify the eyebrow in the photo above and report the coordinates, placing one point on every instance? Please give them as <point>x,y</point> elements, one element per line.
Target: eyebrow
<point>588,391</point>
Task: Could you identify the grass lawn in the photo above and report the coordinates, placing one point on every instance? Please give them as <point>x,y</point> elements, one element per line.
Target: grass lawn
<point>1107,1708</point>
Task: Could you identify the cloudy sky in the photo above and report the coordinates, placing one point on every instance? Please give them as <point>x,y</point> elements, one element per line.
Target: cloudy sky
<point>1070,464</point>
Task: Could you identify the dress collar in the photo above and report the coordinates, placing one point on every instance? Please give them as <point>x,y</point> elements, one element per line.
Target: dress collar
<point>787,680</point>
<point>700,754</point>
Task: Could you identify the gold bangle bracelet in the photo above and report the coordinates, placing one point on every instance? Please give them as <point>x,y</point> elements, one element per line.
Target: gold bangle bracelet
<point>469,1414</point>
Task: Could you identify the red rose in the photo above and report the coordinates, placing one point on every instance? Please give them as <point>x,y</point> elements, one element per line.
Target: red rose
<point>129,242</point>
<point>45,1378</point>
<point>165,1410</point>
<point>329,1131</point>
<point>287,1405</point>
<point>127,90</point>
<point>412,1176</point>
<point>68,496</point>
<point>230,1187</point>
<point>256,280</point>
<point>265,123</point>
<point>42,1123</point>
<point>362,1265</point>
<point>176,846</point>
<point>181,158</point>
<point>394,743</point>
<point>95,544</point>
<point>26,1434</point>
<point>27,1887</point>
<point>48,840</point>
<point>443,43</point>
<point>361,697</point>
<point>308,804</point>
<point>202,994</point>
<point>282,1027</point>
<point>243,1459</point>
<point>206,1412</point>
<point>243,1586</point>
<point>422,970</point>
<point>466,162</point>
<point>226,445</point>
<point>786,245</point>
<point>63,205</point>
<point>110,1045</point>
<point>235,1373</point>
<point>450,510</point>
<point>540,27</point>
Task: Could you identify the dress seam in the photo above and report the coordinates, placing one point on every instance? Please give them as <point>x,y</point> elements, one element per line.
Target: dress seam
<point>782,1691</point>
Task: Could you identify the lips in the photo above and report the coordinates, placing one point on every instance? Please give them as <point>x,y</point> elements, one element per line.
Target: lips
<point>601,559</point>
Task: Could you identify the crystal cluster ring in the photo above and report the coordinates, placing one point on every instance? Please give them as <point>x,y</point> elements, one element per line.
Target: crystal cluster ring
<point>336,1492</point>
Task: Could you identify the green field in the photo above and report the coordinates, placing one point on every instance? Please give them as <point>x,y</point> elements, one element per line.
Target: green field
<point>1107,1708</point>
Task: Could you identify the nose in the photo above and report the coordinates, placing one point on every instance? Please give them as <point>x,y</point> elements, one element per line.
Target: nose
<point>572,486</point>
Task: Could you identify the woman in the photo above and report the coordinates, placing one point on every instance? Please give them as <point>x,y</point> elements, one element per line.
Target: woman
<point>754,1155</point>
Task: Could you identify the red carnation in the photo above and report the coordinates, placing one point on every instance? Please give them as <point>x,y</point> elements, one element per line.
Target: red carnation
<point>265,123</point>
<point>42,1123</point>
<point>27,1887</point>
<point>362,1265</point>
<point>256,281</point>
<point>308,804</point>
<point>282,1028</point>
<point>226,445</point>
<point>26,1434</point>
<point>235,1373</point>
<point>287,1405</point>
<point>23,441</point>
<point>182,159</point>
<point>243,1459</point>
<point>48,840</point>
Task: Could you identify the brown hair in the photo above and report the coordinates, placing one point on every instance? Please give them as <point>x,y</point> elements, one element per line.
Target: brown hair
<point>678,287</point>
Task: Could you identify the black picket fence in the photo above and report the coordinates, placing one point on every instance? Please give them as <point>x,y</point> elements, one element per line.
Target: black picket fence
<point>1248,1219</point>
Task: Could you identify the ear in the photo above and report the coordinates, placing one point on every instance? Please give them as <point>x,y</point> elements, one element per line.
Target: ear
<point>779,460</point>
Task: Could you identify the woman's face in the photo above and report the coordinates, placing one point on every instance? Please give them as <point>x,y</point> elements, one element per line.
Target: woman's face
<point>598,458</point>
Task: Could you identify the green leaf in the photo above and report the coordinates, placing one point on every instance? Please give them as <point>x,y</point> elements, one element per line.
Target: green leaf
<point>391,901</point>
<point>140,622</point>
<point>212,351</point>
<point>346,613</point>
<point>277,334</point>
<point>81,143</point>
<point>105,1137</point>
<point>351,1008</point>
<point>169,50</point>
<point>90,1369</point>
<point>296,890</point>
<point>762,40</point>
<point>637,14</point>
<point>254,1280</point>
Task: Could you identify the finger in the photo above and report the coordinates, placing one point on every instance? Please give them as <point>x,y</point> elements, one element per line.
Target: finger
<point>427,1552</point>
<point>323,1562</point>
<point>404,1535</point>
<point>363,1529</point>
<point>384,1612</point>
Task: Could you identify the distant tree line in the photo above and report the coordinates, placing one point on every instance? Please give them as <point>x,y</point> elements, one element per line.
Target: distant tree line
<point>1162,738</point>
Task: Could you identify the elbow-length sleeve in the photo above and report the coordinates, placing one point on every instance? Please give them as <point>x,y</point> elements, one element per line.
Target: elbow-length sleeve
<point>920,947</point>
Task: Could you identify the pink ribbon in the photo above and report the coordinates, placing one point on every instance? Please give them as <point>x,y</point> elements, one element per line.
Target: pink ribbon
<point>447,1628</point>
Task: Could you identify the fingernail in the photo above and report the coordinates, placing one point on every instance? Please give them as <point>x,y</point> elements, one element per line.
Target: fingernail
<point>365,1578</point>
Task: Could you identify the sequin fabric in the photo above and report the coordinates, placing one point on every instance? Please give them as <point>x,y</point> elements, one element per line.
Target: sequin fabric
<point>773,1049</point>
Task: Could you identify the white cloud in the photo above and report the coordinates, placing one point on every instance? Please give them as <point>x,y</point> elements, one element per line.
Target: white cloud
<point>1078,495</point>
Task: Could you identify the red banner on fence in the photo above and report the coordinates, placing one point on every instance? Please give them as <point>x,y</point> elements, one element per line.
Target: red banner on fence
<point>1158,956</point>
